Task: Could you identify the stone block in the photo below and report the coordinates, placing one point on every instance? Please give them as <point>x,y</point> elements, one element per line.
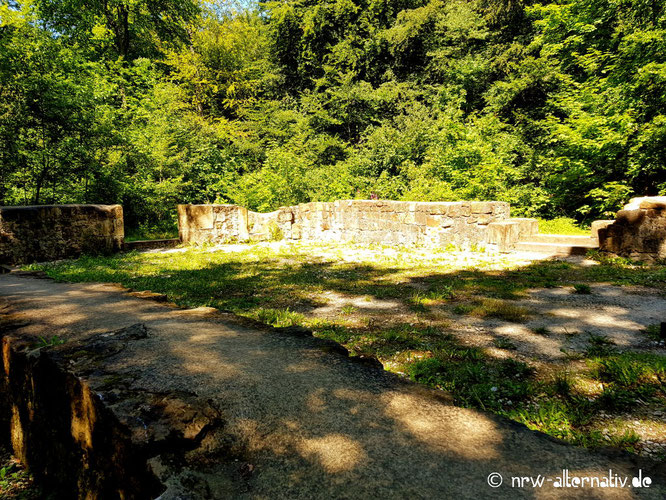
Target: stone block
<point>433,221</point>
<point>630,216</point>
<point>504,234</point>
<point>481,207</point>
<point>599,225</point>
<point>526,227</point>
<point>484,219</point>
<point>654,203</point>
<point>639,231</point>
<point>200,216</point>
<point>285,215</point>
<point>454,210</point>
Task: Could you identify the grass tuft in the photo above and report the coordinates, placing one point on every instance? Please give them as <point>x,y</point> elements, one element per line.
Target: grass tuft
<point>278,317</point>
<point>501,309</point>
<point>582,289</point>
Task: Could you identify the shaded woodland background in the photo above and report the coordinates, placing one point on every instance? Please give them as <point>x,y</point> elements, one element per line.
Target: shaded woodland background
<point>558,107</point>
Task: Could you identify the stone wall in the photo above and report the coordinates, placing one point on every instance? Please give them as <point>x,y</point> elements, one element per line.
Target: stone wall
<point>639,230</point>
<point>51,232</point>
<point>361,221</point>
<point>212,223</point>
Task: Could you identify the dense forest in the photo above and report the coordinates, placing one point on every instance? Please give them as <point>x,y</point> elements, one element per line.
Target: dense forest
<point>556,107</point>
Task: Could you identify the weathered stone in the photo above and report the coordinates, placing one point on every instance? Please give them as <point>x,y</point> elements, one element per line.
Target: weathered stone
<point>90,453</point>
<point>51,232</point>
<point>630,216</point>
<point>655,203</point>
<point>483,219</point>
<point>504,234</point>
<point>285,215</point>
<point>212,223</point>
<point>639,231</point>
<point>598,225</point>
<point>200,216</point>
<point>526,227</point>
<point>362,221</point>
<point>481,207</point>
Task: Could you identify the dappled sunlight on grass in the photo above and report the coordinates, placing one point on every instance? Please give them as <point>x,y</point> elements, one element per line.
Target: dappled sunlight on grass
<point>444,318</point>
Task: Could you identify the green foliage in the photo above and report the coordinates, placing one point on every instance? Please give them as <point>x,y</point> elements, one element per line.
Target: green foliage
<point>562,225</point>
<point>557,108</point>
<point>50,342</point>
<point>582,289</point>
<point>278,317</point>
<point>655,332</point>
<point>474,380</point>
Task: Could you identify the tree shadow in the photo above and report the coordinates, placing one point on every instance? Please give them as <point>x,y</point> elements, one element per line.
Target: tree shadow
<point>311,423</point>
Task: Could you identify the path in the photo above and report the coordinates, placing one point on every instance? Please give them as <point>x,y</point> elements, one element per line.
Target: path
<point>311,423</point>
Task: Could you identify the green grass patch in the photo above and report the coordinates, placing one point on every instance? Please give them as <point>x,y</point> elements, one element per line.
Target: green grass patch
<point>278,317</point>
<point>281,286</point>
<point>655,332</point>
<point>582,289</point>
<point>474,380</point>
<point>504,343</point>
<point>501,309</point>
<point>563,225</point>
<point>630,369</point>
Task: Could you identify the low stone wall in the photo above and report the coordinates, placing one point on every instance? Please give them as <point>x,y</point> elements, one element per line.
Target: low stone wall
<point>639,230</point>
<point>51,232</point>
<point>361,221</point>
<point>212,223</point>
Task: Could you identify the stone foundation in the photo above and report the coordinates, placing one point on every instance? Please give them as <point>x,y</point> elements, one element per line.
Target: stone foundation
<point>361,221</point>
<point>638,232</point>
<point>51,232</point>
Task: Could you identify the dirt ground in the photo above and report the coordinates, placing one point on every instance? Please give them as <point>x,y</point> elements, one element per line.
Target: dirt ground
<point>313,424</point>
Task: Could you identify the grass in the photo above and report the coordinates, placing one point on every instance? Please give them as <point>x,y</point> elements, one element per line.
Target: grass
<point>501,309</point>
<point>563,225</point>
<point>563,383</point>
<point>582,289</point>
<point>473,379</point>
<point>162,231</point>
<point>504,343</point>
<point>15,482</point>
<point>655,332</point>
<point>278,317</point>
<point>282,285</point>
<point>50,342</point>
<point>419,301</point>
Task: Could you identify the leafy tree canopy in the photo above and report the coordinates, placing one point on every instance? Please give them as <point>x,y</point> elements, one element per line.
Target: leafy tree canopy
<point>557,107</point>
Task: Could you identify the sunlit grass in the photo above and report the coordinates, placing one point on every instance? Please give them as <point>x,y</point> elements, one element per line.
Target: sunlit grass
<point>563,225</point>
<point>282,284</point>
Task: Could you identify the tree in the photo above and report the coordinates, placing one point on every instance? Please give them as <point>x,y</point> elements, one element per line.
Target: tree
<point>133,28</point>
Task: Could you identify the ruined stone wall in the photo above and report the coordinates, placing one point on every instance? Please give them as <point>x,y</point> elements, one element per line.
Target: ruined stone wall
<point>639,230</point>
<point>212,223</point>
<point>51,232</point>
<point>361,221</point>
